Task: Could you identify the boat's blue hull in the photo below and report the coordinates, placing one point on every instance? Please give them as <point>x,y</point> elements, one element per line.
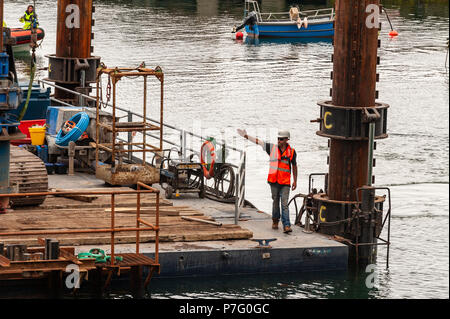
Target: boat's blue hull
<point>284,30</point>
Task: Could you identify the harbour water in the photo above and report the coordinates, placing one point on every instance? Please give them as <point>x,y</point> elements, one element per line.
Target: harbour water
<point>221,84</point>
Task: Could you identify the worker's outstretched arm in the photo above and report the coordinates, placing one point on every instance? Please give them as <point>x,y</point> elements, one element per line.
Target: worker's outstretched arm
<point>255,140</point>
<point>294,172</point>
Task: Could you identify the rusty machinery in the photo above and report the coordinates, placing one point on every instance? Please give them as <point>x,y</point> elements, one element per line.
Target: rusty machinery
<point>116,171</point>
<point>10,98</point>
<point>347,207</point>
<point>73,67</point>
<point>20,171</point>
<point>179,176</point>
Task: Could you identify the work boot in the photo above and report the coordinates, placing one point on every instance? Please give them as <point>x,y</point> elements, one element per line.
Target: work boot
<point>287,229</point>
<point>275,223</point>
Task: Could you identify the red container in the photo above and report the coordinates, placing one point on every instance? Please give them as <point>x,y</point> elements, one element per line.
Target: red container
<point>20,142</point>
<point>25,125</point>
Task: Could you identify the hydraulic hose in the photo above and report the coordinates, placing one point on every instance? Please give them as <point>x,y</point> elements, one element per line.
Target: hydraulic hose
<point>82,120</point>
<point>33,68</point>
<point>30,85</point>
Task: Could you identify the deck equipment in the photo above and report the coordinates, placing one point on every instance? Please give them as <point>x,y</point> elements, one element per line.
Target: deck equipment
<point>180,176</point>
<point>20,171</point>
<point>10,98</point>
<point>78,125</point>
<point>219,175</point>
<point>117,172</point>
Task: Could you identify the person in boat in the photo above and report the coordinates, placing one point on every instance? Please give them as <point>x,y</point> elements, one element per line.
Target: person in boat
<point>283,161</point>
<point>28,18</point>
<point>250,20</point>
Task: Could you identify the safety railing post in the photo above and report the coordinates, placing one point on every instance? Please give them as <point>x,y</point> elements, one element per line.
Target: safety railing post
<point>183,143</point>
<point>130,137</point>
<point>236,204</point>
<point>244,173</point>
<point>82,84</point>
<point>240,187</point>
<point>112,228</point>
<point>138,216</point>
<point>157,229</point>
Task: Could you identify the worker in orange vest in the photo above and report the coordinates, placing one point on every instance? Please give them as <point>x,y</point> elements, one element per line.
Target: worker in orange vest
<point>283,161</point>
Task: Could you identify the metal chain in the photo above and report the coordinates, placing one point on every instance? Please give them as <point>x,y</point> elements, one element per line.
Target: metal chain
<point>108,92</point>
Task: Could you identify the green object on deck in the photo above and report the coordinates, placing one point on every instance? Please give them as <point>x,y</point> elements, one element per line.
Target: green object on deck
<point>99,255</point>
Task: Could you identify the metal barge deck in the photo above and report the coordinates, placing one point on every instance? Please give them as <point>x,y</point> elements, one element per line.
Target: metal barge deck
<point>216,253</point>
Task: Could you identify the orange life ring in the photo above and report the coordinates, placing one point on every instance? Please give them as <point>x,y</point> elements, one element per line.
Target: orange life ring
<point>210,147</point>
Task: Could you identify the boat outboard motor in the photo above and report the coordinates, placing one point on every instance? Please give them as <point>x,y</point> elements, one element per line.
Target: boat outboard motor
<point>249,20</point>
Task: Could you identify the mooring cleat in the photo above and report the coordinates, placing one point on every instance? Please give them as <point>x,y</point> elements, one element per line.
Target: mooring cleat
<point>264,243</point>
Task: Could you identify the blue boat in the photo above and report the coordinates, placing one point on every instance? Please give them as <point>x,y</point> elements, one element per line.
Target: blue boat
<point>293,24</point>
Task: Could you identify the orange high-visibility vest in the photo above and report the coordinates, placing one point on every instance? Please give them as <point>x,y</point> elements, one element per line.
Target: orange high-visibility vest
<point>280,165</point>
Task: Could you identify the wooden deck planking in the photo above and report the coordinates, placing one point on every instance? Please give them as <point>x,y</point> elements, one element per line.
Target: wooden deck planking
<point>60,213</point>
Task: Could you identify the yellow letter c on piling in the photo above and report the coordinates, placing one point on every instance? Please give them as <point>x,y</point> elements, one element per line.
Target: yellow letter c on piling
<point>322,208</point>
<point>327,126</point>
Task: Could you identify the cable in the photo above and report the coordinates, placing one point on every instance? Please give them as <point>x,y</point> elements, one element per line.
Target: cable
<point>34,45</point>
<point>30,86</point>
<point>82,120</point>
<point>387,15</point>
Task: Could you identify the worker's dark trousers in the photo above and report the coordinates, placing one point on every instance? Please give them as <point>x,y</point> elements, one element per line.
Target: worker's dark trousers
<point>280,193</point>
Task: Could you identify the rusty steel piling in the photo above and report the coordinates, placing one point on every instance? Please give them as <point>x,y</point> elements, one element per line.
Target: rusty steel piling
<point>352,120</point>
<point>73,66</point>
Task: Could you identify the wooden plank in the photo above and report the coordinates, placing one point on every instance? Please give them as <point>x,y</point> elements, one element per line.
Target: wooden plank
<point>168,211</point>
<point>145,237</point>
<point>4,262</point>
<point>70,213</point>
<point>177,226</point>
<point>100,189</point>
<point>95,204</point>
<point>81,198</point>
<point>202,220</point>
<point>65,252</point>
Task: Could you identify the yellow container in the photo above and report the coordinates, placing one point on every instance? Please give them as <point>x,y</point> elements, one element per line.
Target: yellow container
<point>37,135</point>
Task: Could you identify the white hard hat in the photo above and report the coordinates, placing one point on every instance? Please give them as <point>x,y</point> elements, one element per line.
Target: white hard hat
<point>284,134</point>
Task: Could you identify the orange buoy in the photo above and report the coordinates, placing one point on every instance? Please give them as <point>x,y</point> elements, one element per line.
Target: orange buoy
<point>239,35</point>
<point>393,33</point>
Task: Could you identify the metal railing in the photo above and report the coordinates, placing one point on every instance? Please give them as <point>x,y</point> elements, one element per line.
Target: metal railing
<point>252,5</point>
<point>240,188</point>
<point>384,242</point>
<point>113,229</point>
<point>181,142</point>
<point>310,14</point>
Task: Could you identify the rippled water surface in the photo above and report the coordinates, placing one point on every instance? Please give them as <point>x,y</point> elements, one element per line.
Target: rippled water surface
<point>220,84</point>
